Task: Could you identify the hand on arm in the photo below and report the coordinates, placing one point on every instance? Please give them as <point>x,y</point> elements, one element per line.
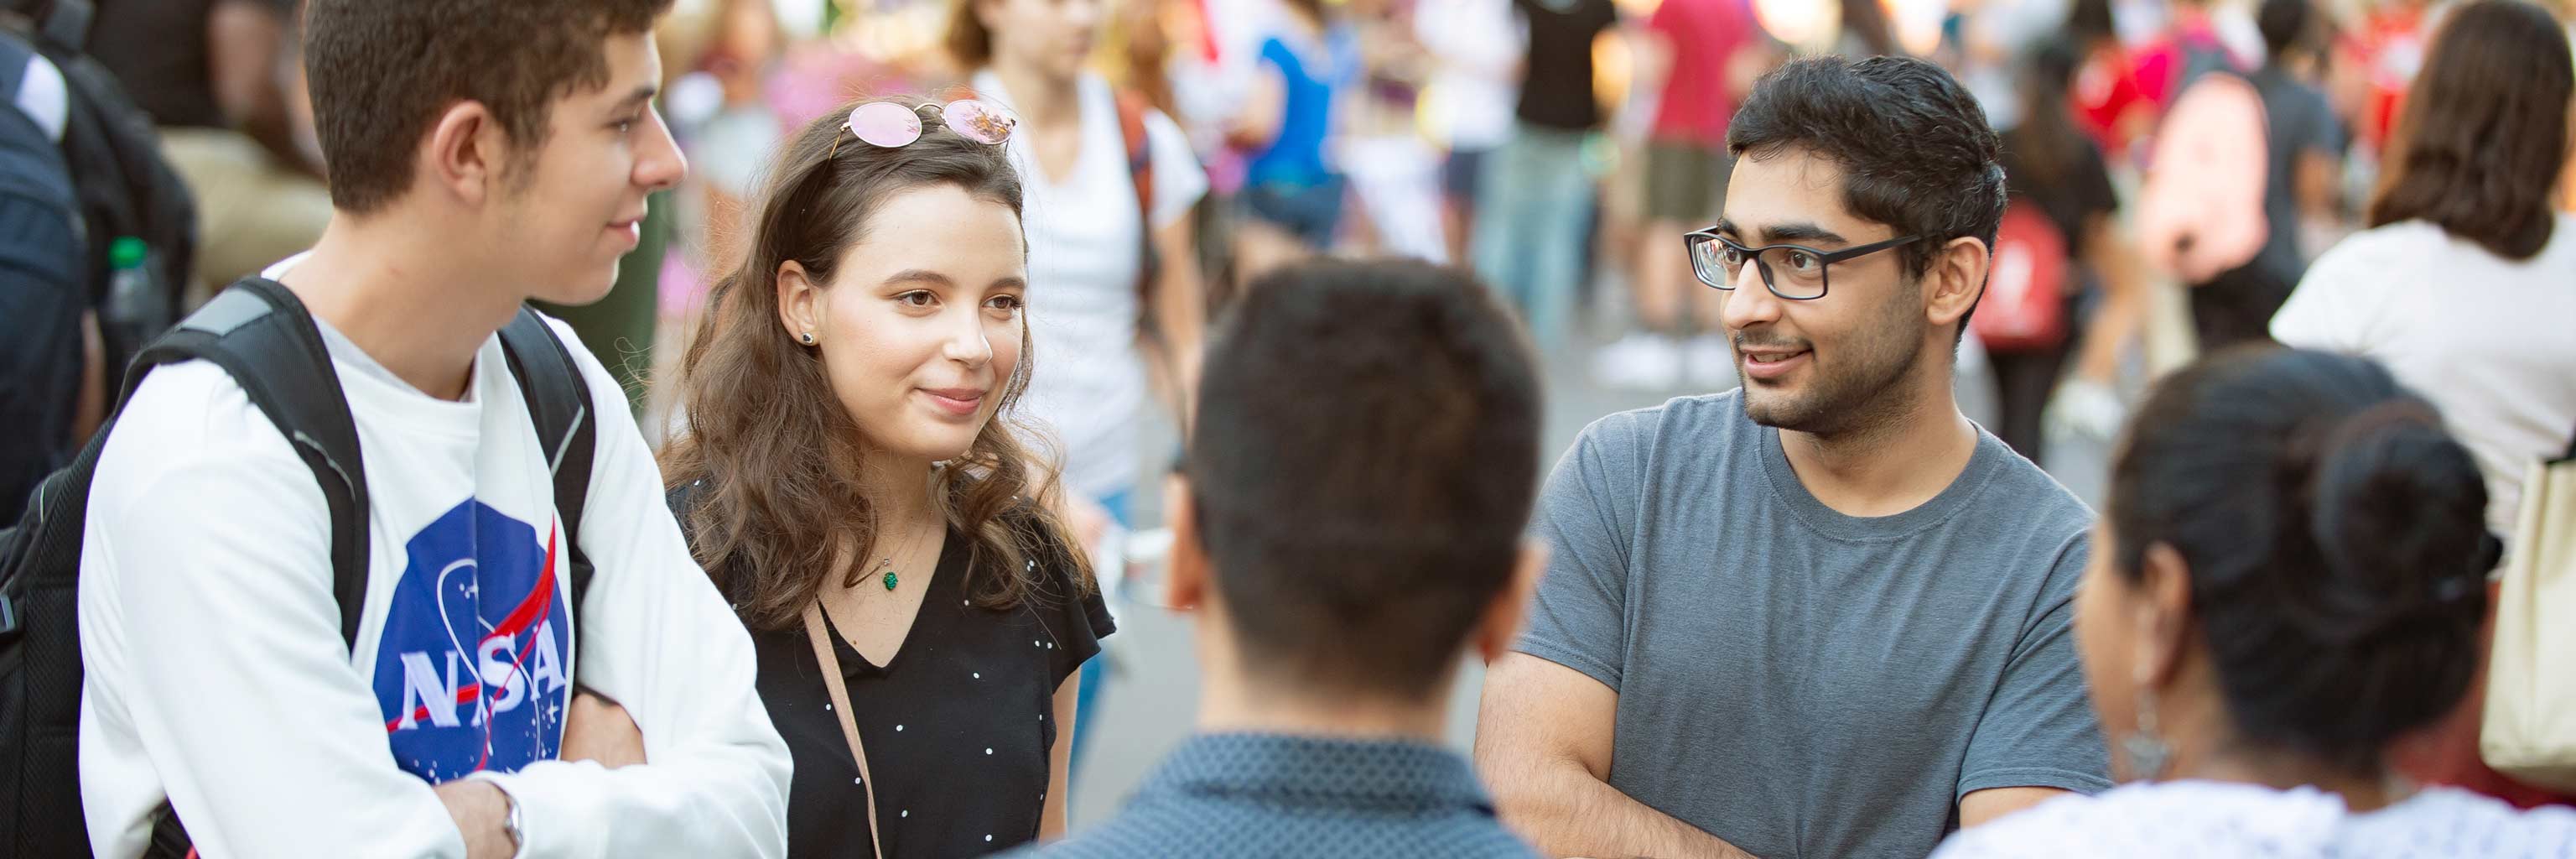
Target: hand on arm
<point>482,814</point>
<point>1543,740</point>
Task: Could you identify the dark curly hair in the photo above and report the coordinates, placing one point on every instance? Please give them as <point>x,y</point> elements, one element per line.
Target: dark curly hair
<point>2335,537</point>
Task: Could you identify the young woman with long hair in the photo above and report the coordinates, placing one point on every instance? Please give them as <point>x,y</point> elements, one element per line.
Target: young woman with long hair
<point>850,479</point>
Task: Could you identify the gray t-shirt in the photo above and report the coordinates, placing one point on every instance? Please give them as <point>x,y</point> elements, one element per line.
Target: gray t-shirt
<point>1803,683</point>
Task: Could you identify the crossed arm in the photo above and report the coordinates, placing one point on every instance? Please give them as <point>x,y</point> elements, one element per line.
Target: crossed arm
<point>1543,740</point>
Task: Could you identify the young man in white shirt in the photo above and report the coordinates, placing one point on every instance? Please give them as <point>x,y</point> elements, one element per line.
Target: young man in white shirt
<point>482,153</point>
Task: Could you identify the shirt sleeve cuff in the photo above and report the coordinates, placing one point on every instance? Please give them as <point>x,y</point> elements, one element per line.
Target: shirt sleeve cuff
<point>2048,777</point>
<point>549,825</point>
<point>1570,658</point>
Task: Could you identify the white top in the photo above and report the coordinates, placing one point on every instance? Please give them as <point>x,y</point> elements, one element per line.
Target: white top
<point>2222,820</point>
<point>1476,88</point>
<point>1085,243</point>
<point>217,677</point>
<point>2490,342</point>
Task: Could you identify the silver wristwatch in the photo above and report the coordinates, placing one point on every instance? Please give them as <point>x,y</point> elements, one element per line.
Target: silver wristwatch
<point>510,825</point>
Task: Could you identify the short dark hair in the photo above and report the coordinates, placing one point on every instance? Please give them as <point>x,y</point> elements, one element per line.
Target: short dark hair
<point>381,71</point>
<point>2287,25</point>
<point>1363,467</point>
<point>1916,151</point>
<point>2483,134</point>
<point>2336,539</point>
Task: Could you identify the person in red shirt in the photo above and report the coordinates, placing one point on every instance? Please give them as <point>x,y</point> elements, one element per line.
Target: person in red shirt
<point>1707,54</point>
<point>2109,99</point>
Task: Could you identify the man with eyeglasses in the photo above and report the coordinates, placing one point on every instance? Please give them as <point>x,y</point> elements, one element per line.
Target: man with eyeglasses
<point>1824,614</point>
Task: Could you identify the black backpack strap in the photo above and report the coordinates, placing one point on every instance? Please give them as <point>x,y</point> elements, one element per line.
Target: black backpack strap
<point>559,401</point>
<point>68,23</point>
<point>261,334</point>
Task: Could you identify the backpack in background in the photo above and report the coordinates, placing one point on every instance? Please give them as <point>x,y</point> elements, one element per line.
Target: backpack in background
<point>2024,305</point>
<point>137,216</point>
<point>2200,212</point>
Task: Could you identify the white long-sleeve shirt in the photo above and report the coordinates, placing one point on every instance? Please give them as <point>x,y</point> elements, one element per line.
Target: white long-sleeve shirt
<point>217,676</point>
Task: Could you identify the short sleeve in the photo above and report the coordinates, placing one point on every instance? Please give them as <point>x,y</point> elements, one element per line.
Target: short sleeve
<point>2039,729</point>
<point>1585,516</point>
<point>1077,623</point>
<point>1179,181</point>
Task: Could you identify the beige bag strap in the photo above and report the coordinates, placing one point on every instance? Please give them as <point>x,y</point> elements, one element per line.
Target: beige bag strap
<point>831,663</point>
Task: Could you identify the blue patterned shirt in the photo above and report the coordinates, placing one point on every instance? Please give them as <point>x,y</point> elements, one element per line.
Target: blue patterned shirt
<point>1271,795</point>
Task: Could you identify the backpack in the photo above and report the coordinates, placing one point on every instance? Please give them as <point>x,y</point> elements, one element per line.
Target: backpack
<point>2200,212</point>
<point>126,188</point>
<point>261,334</point>
<point>41,364</point>
<point>2024,306</point>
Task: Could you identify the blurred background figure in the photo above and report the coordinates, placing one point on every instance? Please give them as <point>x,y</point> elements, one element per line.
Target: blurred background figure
<point>2465,283</point>
<point>1533,221</point>
<point>2062,241</point>
<point>223,80</point>
<point>1703,55</point>
<point>1394,171</point>
<point>1109,183</point>
<point>1475,48</point>
<point>1292,195</point>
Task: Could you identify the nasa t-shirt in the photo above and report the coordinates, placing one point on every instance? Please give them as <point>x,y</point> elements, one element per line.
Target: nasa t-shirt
<point>465,649</point>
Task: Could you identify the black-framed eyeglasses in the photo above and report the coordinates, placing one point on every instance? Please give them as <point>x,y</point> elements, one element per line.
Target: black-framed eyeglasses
<point>1792,272</point>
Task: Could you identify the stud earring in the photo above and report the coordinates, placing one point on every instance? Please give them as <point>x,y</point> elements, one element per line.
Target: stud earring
<point>807,337</point>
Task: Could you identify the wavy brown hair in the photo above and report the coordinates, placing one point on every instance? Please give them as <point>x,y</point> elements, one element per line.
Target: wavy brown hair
<point>2484,131</point>
<point>780,460</point>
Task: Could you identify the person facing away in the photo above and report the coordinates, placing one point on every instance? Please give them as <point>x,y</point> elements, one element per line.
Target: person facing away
<point>853,480</point>
<point>2465,282</point>
<point>1348,523</point>
<point>1824,614</point>
<point>2293,575</point>
<point>2465,286</point>
<point>483,153</point>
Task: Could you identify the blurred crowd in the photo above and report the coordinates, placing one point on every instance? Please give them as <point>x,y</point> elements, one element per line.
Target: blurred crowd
<point>2181,177</point>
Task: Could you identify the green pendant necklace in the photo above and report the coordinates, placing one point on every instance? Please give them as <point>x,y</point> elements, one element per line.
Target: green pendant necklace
<point>889,576</point>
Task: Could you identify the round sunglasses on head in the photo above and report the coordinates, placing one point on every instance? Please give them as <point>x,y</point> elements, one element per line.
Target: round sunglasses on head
<point>891,125</point>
